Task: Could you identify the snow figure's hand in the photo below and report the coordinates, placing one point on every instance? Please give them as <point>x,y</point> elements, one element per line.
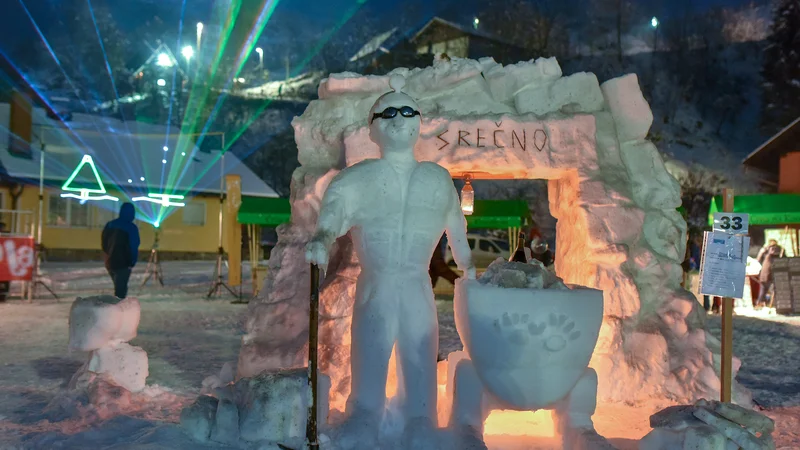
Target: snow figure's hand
<point>317,253</point>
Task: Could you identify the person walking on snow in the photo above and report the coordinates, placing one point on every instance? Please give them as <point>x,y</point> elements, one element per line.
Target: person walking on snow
<point>120,242</point>
<point>765,256</point>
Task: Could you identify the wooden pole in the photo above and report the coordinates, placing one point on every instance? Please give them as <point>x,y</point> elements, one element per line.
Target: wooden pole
<point>313,335</point>
<point>726,377</point>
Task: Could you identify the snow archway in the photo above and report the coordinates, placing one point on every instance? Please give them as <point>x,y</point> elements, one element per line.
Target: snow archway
<point>618,229</point>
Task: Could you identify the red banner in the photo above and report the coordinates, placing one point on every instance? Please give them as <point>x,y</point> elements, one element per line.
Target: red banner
<point>16,258</point>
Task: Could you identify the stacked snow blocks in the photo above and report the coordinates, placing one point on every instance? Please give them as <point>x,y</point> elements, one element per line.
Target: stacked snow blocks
<point>618,228</point>
<point>709,426</point>
<point>102,326</point>
<point>266,409</point>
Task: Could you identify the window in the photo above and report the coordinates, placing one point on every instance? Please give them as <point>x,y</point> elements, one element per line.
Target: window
<point>65,212</point>
<point>502,244</point>
<point>104,212</point>
<point>471,243</point>
<point>194,214</point>
<point>487,246</point>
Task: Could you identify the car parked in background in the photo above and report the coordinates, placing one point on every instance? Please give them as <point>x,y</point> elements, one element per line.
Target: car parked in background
<point>485,249</point>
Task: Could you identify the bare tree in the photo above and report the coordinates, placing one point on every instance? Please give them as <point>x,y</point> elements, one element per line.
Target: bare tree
<point>534,25</point>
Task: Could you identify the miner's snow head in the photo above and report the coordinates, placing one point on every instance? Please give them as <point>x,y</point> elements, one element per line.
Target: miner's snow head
<point>394,119</point>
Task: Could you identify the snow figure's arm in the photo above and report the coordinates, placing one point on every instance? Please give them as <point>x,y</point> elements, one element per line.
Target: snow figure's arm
<point>333,223</point>
<point>457,237</point>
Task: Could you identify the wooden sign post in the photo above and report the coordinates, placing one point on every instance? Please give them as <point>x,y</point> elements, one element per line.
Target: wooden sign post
<point>726,377</point>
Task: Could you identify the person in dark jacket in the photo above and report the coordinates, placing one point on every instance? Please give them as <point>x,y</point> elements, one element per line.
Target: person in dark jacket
<point>121,247</point>
<point>765,256</point>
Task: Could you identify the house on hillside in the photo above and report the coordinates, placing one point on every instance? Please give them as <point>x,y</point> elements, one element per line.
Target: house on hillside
<point>778,160</point>
<point>390,49</point>
<point>132,160</point>
<point>776,213</point>
<point>441,36</point>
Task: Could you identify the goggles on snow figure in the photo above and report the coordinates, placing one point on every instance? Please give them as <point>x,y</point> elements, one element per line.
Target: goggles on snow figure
<point>391,112</point>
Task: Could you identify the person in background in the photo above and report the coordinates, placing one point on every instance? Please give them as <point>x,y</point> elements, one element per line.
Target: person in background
<point>765,256</point>
<point>120,242</point>
<point>5,286</point>
<point>439,267</point>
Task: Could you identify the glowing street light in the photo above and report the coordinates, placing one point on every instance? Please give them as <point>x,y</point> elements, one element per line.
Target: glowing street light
<point>161,82</point>
<point>164,60</point>
<point>476,22</point>
<point>199,34</point>
<point>260,57</point>
<point>187,52</point>
<point>654,22</point>
<point>467,197</point>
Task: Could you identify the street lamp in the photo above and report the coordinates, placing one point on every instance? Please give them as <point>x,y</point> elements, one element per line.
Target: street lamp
<point>654,24</point>
<point>164,60</point>
<point>476,22</point>
<point>187,52</point>
<point>199,34</point>
<point>260,57</point>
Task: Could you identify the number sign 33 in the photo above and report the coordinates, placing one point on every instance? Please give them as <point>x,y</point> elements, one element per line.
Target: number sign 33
<point>731,223</point>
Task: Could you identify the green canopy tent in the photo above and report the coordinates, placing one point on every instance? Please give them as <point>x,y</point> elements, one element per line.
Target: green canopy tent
<point>264,211</point>
<point>765,210</point>
<point>509,215</point>
<point>257,212</point>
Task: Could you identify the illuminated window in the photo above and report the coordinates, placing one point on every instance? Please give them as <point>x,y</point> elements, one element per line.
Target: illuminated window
<point>63,212</point>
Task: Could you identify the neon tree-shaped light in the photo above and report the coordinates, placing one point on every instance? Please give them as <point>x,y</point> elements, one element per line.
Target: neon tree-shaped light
<point>162,199</point>
<point>84,194</point>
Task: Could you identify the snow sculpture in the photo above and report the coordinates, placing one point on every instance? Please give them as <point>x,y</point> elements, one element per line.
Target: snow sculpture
<point>103,325</point>
<point>618,230</point>
<point>266,409</point>
<point>709,425</point>
<point>395,228</point>
<point>528,349</point>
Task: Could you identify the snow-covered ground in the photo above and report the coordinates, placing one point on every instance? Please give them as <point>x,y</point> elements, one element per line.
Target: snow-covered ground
<point>188,338</point>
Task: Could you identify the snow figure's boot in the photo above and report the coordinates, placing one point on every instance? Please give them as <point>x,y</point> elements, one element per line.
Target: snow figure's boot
<point>573,416</point>
<point>469,410</point>
<point>420,434</point>
<point>358,432</point>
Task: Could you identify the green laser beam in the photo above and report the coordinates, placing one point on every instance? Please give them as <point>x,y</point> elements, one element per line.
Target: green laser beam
<point>326,37</point>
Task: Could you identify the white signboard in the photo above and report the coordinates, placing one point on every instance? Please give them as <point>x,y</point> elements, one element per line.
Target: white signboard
<point>731,222</point>
<point>722,270</point>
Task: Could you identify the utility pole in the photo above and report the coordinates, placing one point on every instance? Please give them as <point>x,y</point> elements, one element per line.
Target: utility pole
<point>286,60</point>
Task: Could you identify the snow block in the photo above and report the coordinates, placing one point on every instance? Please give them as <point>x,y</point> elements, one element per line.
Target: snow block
<point>226,425</point>
<point>123,364</point>
<point>665,231</point>
<point>95,322</point>
<point>274,405</point>
<point>505,81</point>
<point>652,185</point>
<point>630,110</point>
<point>197,418</point>
<point>578,93</point>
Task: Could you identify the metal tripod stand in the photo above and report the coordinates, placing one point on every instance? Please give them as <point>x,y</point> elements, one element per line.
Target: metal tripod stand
<point>216,288</point>
<point>154,265</point>
<point>37,276</point>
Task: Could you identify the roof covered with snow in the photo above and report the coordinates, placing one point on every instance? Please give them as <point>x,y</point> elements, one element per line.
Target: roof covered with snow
<point>767,155</point>
<point>130,155</point>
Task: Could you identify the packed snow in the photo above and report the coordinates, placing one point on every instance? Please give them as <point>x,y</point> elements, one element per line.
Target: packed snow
<point>188,338</point>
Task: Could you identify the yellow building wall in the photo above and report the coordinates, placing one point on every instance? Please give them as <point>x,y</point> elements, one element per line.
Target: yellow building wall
<point>175,235</point>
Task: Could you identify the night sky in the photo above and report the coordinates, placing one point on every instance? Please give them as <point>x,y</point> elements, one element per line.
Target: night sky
<point>316,16</point>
